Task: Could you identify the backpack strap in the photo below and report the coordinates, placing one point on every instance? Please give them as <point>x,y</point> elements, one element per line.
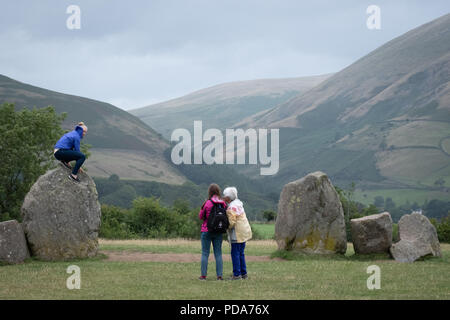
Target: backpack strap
<point>204,212</point>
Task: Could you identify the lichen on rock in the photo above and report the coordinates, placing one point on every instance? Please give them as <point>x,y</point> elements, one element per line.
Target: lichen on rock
<point>61,218</point>
<point>310,216</point>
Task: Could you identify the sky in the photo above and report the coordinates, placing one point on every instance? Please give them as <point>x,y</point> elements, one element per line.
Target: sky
<point>136,53</point>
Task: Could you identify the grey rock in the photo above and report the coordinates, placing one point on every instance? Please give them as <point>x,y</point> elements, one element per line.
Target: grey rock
<point>13,245</point>
<point>418,238</point>
<point>372,234</point>
<point>61,218</point>
<point>310,218</point>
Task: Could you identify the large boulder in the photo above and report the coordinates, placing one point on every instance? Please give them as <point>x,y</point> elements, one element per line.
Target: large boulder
<point>418,238</point>
<point>310,218</point>
<point>61,218</point>
<point>372,234</point>
<point>13,245</point>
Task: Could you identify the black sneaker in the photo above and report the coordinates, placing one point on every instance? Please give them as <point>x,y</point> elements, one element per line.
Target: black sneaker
<point>235,277</point>
<point>65,165</point>
<point>74,179</point>
<point>244,276</point>
<point>219,278</point>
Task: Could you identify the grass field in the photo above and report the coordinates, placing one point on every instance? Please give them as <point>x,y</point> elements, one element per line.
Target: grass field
<point>303,277</point>
<point>265,230</point>
<point>400,196</point>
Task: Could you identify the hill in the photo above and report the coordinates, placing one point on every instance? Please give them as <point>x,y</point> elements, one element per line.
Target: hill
<point>383,122</point>
<point>223,105</point>
<point>405,78</point>
<point>121,143</point>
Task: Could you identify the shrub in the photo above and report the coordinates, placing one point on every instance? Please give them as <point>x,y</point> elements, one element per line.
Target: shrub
<point>24,154</point>
<point>149,219</point>
<point>395,236</point>
<point>442,228</point>
<point>269,215</point>
<point>115,223</point>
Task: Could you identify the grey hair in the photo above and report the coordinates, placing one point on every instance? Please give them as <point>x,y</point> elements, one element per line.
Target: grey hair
<point>230,192</point>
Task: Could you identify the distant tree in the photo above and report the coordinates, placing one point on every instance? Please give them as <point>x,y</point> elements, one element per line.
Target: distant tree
<point>371,209</point>
<point>350,205</point>
<point>26,148</point>
<point>275,196</point>
<point>379,202</point>
<point>181,206</point>
<point>389,204</point>
<point>122,197</point>
<point>269,215</point>
<point>442,228</point>
<point>114,178</point>
<point>436,208</point>
<point>439,182</point>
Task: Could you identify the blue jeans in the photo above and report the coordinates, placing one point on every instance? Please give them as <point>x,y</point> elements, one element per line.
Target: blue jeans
<point>67,155</point>
<point>238,259</point>
<point>216,239</point>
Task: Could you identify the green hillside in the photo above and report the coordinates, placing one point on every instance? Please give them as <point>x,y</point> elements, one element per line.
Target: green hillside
<point>122,144</point>
<point>224,105</point>
<point>382,122</point>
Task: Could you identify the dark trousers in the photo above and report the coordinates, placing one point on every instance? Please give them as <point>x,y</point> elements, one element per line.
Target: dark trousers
<point>66,155</point>
<point>238,259</point>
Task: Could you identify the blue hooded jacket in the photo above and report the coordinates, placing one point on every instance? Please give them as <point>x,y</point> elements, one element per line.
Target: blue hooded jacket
<point>71,140</point>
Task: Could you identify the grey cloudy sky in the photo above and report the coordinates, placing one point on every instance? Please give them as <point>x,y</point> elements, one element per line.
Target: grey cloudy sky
<point>135,53</point>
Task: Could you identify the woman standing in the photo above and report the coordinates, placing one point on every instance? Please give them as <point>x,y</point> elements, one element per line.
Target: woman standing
<point>239,232</point>
<point>209,237</point>
<point>68,149</point>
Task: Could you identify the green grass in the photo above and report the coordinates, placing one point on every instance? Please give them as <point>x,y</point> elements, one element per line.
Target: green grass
<point>265,230</point>
<point>400,196</point>
<point>303,277</point>
<point>257,248</point>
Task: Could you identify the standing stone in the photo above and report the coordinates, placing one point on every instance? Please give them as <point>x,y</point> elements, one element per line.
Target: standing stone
<point>61,218</point>
<point>418,238</point>
<point>13,245</point>
<point>310,216</point>
<point>372,234</point>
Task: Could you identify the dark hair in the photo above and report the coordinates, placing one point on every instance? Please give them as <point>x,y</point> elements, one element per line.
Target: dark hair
<point>213,189</point>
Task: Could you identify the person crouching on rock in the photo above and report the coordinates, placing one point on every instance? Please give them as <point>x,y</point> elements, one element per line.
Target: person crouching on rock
<point>239,232</point>
<point>68,149</point>
<point>208,237</point>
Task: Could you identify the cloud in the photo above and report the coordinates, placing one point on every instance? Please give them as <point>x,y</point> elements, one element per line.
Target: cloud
<point>150,51</point>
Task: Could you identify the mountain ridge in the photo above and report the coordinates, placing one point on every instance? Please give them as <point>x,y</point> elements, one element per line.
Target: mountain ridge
<point>115,134</point>
<point>224,104</point>
<point>430,41</point>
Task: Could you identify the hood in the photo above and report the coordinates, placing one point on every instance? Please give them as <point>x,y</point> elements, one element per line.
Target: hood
<point>79,130</point>
<point>237,206</point>
<point>216,199</point>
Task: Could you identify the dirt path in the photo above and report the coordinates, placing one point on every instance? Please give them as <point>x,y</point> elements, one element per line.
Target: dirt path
<point>129,256</point>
